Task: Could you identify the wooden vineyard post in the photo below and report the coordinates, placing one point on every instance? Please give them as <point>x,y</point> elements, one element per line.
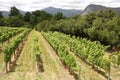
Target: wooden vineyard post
<point>109,72</point>
<point>6,67</point>
<point>79,78</point>
<point>6,63</point>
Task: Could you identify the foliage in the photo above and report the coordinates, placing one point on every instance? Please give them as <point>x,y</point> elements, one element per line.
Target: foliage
<point>10,49</point>
<point>1,16</point>
<point>27,17</point>
<point>15,21</point>
<point>103,26</point>
<point>6,33</point>
<point>14,12</point>
<point>62,51</point>
<point>59,16</point>
<point>92,52</point>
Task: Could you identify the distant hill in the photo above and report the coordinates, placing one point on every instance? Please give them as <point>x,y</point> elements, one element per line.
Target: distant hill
<point>66,12</point>
<point>22,12</point>
<point>95,8</point>
<point>5,13</point>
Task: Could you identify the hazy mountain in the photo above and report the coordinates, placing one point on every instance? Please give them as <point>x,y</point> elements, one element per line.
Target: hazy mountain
<point>66,12</point>
<point>22,12</point>
<point>53,11</point>
<point>95,8</point>
<point>5,13</point>
<point>71,12</point>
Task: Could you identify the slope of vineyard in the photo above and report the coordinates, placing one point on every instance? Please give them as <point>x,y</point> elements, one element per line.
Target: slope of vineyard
<point>55,55</point>
<point>91,52</point>
<point>25,68</point>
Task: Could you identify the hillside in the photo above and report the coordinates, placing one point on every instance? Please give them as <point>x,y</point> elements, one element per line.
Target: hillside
<point>95,8</point>
<point>66,12</point>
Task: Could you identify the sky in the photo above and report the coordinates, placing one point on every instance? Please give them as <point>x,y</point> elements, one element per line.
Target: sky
<point>32,5</point>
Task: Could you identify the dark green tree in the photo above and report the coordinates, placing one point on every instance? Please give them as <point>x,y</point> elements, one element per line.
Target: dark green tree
<point>39,16</point>
<point>59,16</point>
<point>33,20</point>
<point>2,19</point>
<point>36,13</point>
<point>15,21</point>
<point>90,18</point>
<point>27,17</point>
<point>14,11</point>
<point>44,16</point>
<point>1,16</point>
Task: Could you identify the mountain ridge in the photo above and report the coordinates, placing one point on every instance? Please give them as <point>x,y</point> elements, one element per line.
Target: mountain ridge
<point>66,12</point>
<point>95,8</point>
<point>71,12</point>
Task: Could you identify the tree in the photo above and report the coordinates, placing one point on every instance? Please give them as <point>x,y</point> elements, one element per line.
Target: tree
<point>33,20</point>
<point>90,18</point>
<point>59,16</point>
<point>1,16</point>
<point>2,20</point>
<point>80,25</point>
<point>27,17</point>
<point>39,16</point>
<point>16,21</point>
<point>109,14</point>
<point>36,13</point>
<point>14,11</point>
<point>100,14</point>
<point>44,16</point>
<point>15,18</point>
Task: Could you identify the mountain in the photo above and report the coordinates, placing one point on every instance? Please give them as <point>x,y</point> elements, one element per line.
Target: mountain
<point>71,12</point>
<point>5,13</point>
<point>53,11</point>
<point>22,12</point>
<point>66,12</point>
<point>95,8</point>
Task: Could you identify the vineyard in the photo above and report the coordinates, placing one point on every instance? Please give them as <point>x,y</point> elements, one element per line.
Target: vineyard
<point>31,55</point>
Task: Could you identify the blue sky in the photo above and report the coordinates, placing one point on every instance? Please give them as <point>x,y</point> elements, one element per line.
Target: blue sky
<point>31,5</point>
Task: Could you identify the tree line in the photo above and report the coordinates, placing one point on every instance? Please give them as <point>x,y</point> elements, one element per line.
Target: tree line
<point>30,19</point>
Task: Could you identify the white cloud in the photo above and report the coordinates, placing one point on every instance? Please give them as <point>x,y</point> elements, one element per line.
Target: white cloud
<point>30,5</point>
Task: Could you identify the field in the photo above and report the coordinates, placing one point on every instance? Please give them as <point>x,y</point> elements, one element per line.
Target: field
<point>53,56</point>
